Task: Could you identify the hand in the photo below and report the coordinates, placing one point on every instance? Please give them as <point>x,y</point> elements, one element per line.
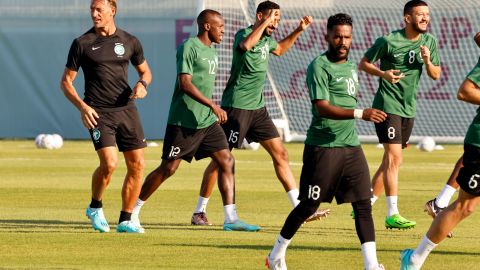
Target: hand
<point>89,116</point>
<point>477,39</point>
<point>389,75</point>
<point>425,53</point>
<point>305,22</point>
<point>270,17</point>
<point>138,91</point>
<point>220,113</point>
<point>374,115</point>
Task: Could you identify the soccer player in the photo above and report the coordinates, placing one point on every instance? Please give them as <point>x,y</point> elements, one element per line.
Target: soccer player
<point>193,128</point>
<point>468,179</point>
<point>244,102</point>
<point>108,110</point>
<point>402,54</point>
<point>332,139</point>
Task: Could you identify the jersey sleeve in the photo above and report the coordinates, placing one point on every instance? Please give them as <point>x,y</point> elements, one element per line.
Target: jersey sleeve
<point>185,59</point>
<point>317,83</point>
<point>239,37</point>
<point>74,56</point>
<point>434,55</point>
<point>378,50</point>
<point>474,74</point>
<point>272,44</point>
<point>137,56</point>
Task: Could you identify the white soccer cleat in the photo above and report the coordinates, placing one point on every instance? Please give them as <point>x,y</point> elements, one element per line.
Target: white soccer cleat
<point>278,264</point>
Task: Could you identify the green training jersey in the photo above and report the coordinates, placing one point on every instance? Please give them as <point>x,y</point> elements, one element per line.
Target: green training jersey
<point>395,51</point>
<point>473,132</point>
<point>244,89</point>
<point>200,61</point>
<point>337,83</point>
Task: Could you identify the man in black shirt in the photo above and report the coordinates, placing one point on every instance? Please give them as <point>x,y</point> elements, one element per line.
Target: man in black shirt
<point>108,109</point>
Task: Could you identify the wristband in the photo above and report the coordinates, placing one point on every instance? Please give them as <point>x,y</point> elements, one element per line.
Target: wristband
<point>358,113</point>
<point>144,83</point>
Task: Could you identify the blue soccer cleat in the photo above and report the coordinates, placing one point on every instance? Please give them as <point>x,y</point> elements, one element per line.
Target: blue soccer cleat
<point>96,216</point>
<point>240,226</point>
<point>405,263</point>
<point>129,226</point>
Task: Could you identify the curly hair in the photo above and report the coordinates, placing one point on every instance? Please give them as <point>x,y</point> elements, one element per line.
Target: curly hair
<point>339,19</point>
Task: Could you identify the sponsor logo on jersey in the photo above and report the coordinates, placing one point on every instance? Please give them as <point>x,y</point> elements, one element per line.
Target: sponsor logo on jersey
<point>119,49</point>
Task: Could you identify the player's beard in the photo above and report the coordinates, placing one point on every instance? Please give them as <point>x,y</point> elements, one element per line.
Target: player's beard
<point>265,32</point>
<point>335,52</point>
<point>419,30</point>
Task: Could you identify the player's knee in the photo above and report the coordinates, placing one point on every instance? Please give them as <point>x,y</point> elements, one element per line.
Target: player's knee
<point>136,165</point>
<point>394,161</point>
<point>362,209</point>
<point>468,209</point>
<point>309,207</point>
<point>108,167</point>
<point>227,162</point>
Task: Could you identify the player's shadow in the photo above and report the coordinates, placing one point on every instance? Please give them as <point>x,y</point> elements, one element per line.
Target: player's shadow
<point>34,226</point>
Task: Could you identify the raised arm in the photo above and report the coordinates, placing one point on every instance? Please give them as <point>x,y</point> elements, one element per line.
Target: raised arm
<point>285,44</point>
<point>252,39</point>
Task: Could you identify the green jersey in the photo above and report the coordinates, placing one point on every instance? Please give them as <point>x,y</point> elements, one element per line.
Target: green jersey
<point>473,133</point>
<point>244,89</point>
<point>395,51</point>
<point>338,84</point>
<point>200,61</point>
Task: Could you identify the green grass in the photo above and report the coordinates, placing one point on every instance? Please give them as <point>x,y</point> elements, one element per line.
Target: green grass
<point>43,195</point>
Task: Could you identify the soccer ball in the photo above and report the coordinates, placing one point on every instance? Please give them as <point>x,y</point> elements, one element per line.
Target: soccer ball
<point>49,141</point>
<point>39,141</point>
<point>427,144</point>
<point>250,146</point>
<point>57,141</point>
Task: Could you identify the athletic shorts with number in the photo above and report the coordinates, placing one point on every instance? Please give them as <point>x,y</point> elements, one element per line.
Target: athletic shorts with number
<point>469,176</point>
<point>394,130</point>
<point>186,143</point>
<point>253,125</point>
<point>122,128</point>
<point>340,172</point>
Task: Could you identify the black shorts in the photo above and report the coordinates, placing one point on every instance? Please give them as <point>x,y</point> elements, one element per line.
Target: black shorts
<point>186,143</point>
<point>394,130</point>
<point>122,128</point>
<point>469,176</point>
<point>340,172</point>
<point>253,125</point>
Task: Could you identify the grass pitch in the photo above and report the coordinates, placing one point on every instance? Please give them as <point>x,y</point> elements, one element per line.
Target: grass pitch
<point>43,195</point>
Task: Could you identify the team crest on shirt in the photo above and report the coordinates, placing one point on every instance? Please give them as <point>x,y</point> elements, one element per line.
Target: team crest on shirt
<point>119,49</point>
<point>96,134</point>
<point>355,75</point>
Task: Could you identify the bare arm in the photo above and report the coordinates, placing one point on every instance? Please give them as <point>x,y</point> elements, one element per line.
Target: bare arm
<point>326,110</point>
<point>432,70</point>
<point>144,73</point>
<point>88,114</point>
<point>186,85</point>
<point>285,44</point>
<point>469,92</point>
<point>252,39</point>
<point>388,75</point>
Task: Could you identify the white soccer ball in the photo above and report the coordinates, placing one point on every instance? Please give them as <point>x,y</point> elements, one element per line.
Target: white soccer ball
<point>48,141</point>
<point>57,141</point>
<point>427,144</point>
<point>39,141</point>
<point>250,146</point>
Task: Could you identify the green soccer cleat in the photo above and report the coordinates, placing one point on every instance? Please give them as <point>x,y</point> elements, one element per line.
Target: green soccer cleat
<point>398,222</point>
<point>96,216</point>
<point>405,260</point>
<point>240,226</point>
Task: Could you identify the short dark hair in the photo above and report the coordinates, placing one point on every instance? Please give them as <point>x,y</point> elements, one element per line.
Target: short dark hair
<point>411,4</point>
<point>339,19</point>
<point>205,14</point>
<point>264,6</point>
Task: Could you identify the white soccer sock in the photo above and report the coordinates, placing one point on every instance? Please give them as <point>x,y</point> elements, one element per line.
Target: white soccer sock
<point>230,213</point>
<point>201,205</point>
<point>280,248</point>
<point>392,207</point>
<point>369,252</point>
<point>373,199</point>
<point>293,197</point>
<point>445,195</point>
<point>138,206</point>
<point>421,253</point>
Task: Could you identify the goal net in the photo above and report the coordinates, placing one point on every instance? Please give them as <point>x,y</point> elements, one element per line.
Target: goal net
<point>439,113</point>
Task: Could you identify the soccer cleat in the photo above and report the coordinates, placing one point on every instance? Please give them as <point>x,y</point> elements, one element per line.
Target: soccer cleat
<point>129,226</point>
<point>319,214</point>
<point>398,222</point>
<point>405,263</point>
<point>279,264</point>
<point>136,220</point>
<point>98,220</point>
<point>378,267</point>
<point>433,210</point>
<point>352,214</point>
<point>200,219</point>
<point>240,226</point>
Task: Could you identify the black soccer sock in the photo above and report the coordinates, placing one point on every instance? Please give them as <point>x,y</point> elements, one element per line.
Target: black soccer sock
<point>298,216</point>
<point>124,216</point>
<point>95,204</point>
<point>364,221</point>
